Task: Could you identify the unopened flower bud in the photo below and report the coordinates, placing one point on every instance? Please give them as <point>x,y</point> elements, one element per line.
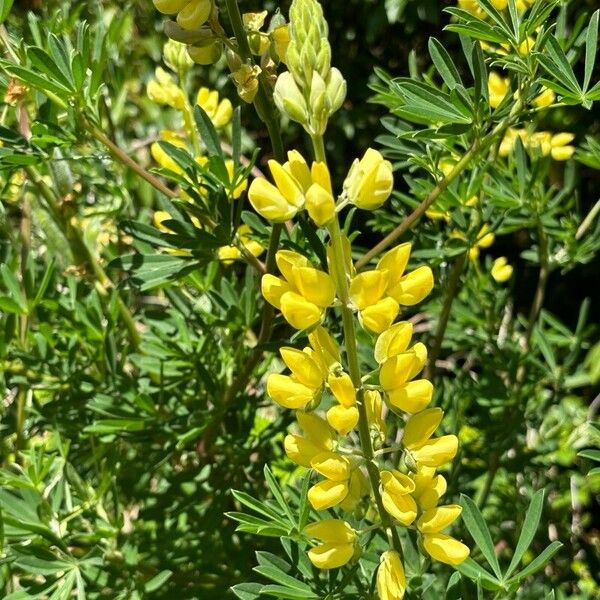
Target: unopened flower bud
<point>206,55</point>
<point>289,99</point>
<point>176,56</point>
<point>336,90</point>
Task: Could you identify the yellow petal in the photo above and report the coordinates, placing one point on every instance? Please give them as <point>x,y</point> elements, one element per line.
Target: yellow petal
<point>304,369</point>
<point>391,580</point>
<point>320,205</point>
<point>194,14</point>
<point>298,312</point>
<point>397,483</point>
<point>414,287</point>
<point>170,7</point>
<point>394,262</point>
<point>563,152</point>
<point>368,288</point>
<point>331,556</point>
<point>268,201</point>
<point>402,507</point>
<point>298,169</point>
<point>445,548</point>
<point>429,488</point>
<point>273,288</point>
<point>501,270</point>
<point>331,530</point>
<point>316,429</point>
<point>437,452</point>
<point>380,316</point>
<point>300,450</point>
<point>342,388</point>
<point>396,370</point>
<point>320,175</point>
<point>287,184</point>
<point>325,346</point>
<point>314,285</point>
<point>374,404</point>
<point>420,427</point>
<point>287,392</point>
<point>393,341</point>
<point>437,519</point>
<point>287,260</point>
<point>412,397</point>
<point>327,494</point>
<point>343,419</point>
<point>332,466</point>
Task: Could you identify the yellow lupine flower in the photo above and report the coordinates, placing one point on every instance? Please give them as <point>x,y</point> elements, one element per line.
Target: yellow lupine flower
<point>219,112</point>
<point>370,181</point>
<point>473,7</point>
<point>374,405</point>
<point>327,351</point>
<point>288,392</point>
<point>412,397</point>
<point>339,543</point>
<point>246,81</point>
<point>442,547</point>
<point>368,288</point>
<point>498,87</point>
<point>379,316</point>
<point>545,98</point>
<point>334,467</point>
<point>207,54</point>
<point>403,367</point>
<point>327,494</point>
<point>391,580</point>
<point>561,150</point>
<point>393,341</point>
<point>320,203</point>
<point>445,548</point>
<point>342,388</point>
<point>228,254</point>
<point>413,287</point>
<point>318,437</point>
<point>396,496</point>
<point>161,156</point>
<point>429,488</point>
<point>305,292</point>
<point>485,238</point>
<point>501,270</point>
<point>425,451</point>
<point>164,90</point>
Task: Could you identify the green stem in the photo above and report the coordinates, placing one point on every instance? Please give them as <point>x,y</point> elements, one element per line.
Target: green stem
<point>121,155</point>
<point>319,148</point>
<point>81,251</point>
<point>451,290</point>
<point>341,278</point>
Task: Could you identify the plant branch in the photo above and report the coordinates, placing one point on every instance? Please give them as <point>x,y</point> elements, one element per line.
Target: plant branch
<point>451,290</point>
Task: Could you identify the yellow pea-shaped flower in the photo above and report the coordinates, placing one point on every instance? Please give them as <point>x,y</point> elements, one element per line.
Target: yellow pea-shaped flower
<point>327,494</point>
<point>414,287</point>
<point>299,312</point>
<point>379,316</point>
<point>420,427</point>
<point>287,392</point>
<point>332,466</point>
<point>412,397</point>
<point>370,181</point>
<point>437,519</point>
<point>437,452</point>
<point>445,548</point>
<point>393,341</point>
<point>343,419</point>
<point>273,288</point>
<point>194,14</point>
<point>304,368</point>
<point>391,580</point>
<point>501,270</point>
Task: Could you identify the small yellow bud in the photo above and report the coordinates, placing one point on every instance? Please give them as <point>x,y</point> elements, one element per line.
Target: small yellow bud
<point>370,181</point>
<point>560,149</point>
<point>546,98</point>
<point>374,405</point>
<point>280,36</point>
<point>498,87</point>
<point>220,113</point>
<point>289,99</point>
<point>391,581</point>
<point>501,270</point>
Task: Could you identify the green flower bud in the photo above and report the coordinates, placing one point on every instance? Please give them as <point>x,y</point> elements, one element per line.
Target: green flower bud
<point>289,99</point>
<point>207,54</point>
<point>176,57</point>
<point>336,90</point>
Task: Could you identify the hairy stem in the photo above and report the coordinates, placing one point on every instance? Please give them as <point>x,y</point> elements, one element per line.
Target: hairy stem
<point>341,279</point>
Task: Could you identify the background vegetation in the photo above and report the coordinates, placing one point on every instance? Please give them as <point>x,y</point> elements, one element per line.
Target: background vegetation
<point>121,437</point>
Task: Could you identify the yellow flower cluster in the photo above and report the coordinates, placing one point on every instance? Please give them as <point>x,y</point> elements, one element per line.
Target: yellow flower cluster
<point>557,145</point>
<point>474,7</point>
<point>297,187</point>
<point>498,88</point>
